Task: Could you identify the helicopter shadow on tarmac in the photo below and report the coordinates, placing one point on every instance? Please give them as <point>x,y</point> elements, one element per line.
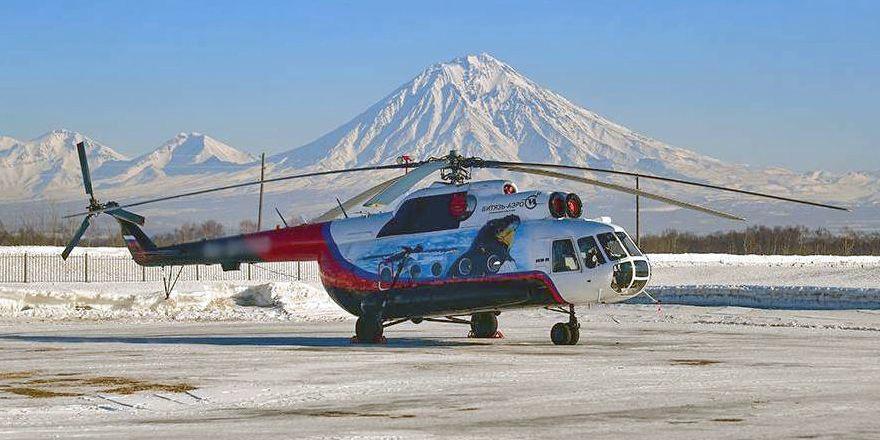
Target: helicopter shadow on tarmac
<point>264,341</point>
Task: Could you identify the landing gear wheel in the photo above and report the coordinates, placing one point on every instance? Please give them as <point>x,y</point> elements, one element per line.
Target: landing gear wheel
<point>566,333</point>
<point>575,331</point>
<point>368,330</point>
<point>484,325</point>
<point>560,334</point>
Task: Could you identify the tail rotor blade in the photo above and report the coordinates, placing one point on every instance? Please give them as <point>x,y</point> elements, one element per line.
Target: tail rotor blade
<point>127,216</point>
<point>76,237</point>
<point>84,165</point>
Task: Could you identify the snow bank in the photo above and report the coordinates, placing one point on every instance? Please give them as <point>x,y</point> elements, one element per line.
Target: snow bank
<point>56,251</point>
<point>190,301</point>
<point>683,260</point>
<point>818,282</point>
<point>766,297</point>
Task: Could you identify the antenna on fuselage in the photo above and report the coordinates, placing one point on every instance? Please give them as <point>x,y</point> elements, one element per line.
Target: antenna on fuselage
<point>282,217</point>
<point>341,208</point>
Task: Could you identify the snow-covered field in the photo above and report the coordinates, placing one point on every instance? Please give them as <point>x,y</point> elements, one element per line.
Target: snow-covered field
<point>789,282</point>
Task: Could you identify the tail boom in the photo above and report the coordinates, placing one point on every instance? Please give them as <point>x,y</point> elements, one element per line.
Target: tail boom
<point>297,243</point>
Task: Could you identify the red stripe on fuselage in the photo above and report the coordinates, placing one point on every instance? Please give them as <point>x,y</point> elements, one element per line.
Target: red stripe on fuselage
<point>296,243</point>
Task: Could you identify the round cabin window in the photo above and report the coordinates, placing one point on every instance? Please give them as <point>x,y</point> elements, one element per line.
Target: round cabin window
<point>493,263</point>
<point>465,266</point>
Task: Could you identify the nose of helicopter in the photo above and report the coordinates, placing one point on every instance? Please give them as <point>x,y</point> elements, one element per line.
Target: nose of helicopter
<point>630,276</point>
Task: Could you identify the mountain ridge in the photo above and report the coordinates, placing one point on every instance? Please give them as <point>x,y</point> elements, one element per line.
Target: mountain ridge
<point>49,165</point>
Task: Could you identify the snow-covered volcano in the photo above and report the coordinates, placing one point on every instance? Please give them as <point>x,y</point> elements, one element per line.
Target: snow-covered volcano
<point>185,154</point>
<point>47,163</point>
<point>483,107</point>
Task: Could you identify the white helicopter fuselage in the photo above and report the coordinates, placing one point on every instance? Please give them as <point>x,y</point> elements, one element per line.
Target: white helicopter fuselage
<point>506,248</point>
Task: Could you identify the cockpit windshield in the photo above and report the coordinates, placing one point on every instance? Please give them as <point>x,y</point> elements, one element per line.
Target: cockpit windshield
<point>630,246</point>
<point>612,247</point>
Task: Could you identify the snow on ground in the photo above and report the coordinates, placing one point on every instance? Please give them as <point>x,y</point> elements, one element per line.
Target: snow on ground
<point>248,359</point>
<point>694,372</point>
<point>189,301</point>
<point>766,281</point>
<point>56,251</point>
<point>766,270</point>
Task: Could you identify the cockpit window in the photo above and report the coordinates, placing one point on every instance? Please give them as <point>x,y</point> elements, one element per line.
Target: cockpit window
<point>612,247</point>
<point>590,252</point>
<point>630,246</point>
<point>564,257</point>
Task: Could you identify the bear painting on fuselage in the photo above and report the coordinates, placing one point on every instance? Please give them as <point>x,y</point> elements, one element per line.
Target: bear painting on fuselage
<point>489,251</point>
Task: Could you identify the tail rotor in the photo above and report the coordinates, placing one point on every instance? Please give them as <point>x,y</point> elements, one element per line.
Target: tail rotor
<point>95,207</point>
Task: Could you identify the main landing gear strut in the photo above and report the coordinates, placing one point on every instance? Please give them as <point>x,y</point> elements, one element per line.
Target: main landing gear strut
<point>565,333</point>
<point>369,329</point>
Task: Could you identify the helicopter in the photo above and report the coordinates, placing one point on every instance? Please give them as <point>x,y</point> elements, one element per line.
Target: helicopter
<point>457,251</point>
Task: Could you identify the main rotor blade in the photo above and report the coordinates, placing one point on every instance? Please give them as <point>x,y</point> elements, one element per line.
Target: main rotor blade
<point>84,166</point>
<point>354,201</point>
<point>625,189</point>
<point>405,183</point>
<point>76,237</point>
<point>241,185</point>
<point>501,164</point>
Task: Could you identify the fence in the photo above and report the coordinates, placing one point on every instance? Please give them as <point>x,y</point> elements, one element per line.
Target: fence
<point>24,268</point>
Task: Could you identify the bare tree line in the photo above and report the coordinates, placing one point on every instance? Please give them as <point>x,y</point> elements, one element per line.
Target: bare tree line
<point>764,240</point>
<point>52,230</point>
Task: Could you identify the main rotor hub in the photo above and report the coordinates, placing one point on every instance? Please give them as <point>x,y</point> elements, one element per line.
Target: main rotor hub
<point>458,168</point>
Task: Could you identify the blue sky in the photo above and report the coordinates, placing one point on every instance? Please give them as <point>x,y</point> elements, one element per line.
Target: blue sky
<point>793,84</point>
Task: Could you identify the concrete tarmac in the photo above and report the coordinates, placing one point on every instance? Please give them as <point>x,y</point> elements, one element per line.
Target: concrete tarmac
<point>683,372</point>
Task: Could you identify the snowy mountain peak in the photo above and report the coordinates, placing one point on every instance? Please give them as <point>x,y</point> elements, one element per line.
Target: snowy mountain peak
<point>48,163</point>
<point>185,154</point>
<point>474,75</point>
<point>196,148</point>
<point>479,106</point>
<point>60,144</point>
<point>7,142</point>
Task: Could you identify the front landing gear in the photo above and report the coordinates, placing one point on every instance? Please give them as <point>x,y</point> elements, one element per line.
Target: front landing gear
<point>566,333</point>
